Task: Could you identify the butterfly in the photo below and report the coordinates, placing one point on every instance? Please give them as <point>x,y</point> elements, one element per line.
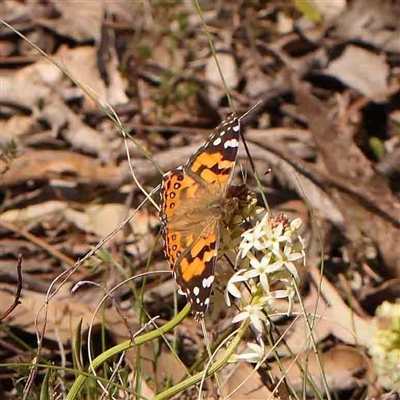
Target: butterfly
<point>193,206</point>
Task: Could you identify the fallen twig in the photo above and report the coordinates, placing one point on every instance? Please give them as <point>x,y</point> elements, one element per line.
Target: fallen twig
<point>19,290</point>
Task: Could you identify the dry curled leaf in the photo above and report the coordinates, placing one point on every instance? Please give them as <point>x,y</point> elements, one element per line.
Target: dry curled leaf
<point>354,67</point>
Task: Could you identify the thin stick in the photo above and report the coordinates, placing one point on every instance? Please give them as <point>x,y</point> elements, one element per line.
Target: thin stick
<point>16,302</point>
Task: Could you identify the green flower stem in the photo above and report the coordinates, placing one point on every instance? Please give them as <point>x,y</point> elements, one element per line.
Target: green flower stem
<point>147,337</point>
<point>172,391</point>
<point>64,369</point>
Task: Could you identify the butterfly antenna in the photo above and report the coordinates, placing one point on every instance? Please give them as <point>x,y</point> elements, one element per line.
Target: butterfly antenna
<point>208,347</point>
<point>259,102</point>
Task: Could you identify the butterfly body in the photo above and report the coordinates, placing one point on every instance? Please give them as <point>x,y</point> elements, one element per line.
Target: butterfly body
<point>192,210</point>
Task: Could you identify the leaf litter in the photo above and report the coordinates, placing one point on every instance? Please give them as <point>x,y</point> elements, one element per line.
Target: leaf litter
<point>331,98</point>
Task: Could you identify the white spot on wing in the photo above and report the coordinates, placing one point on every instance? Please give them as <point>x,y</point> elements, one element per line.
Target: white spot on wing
<point>196,291</point>
<point>236,128</point>
<point>217,141</point>
<point>231,143</point>
<point>207,282</point>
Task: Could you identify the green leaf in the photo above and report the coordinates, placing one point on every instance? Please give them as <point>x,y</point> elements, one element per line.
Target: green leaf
<point>77,346</point>
<point>307,8</point>
<point>377,147</point>
<point>44,391</point>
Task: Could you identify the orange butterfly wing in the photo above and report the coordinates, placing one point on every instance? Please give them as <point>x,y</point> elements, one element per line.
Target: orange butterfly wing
<point>190,213</point>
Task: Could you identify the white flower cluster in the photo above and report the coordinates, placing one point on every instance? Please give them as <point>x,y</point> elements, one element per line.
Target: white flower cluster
<point>267,255</point>
<point>385,345</point>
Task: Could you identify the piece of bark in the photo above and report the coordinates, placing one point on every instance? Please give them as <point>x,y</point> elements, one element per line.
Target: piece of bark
<point>42,165</point>
<point>363,195</point>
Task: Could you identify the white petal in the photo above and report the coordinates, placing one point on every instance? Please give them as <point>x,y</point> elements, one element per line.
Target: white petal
<point>227,299</point>
<point>295,256</point>
<point>292,269</point>
<point>240,317</point>
<point>264,282</point>
<point>255,263</point>
<point>256,348</point>
<point>276,266</point>
<point>256,322</point>
<point>234,291</point>
<point>251,273</point>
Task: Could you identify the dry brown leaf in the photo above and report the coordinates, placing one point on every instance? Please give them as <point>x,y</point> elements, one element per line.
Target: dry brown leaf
<point>333,317</point>
<point>14,128</point>
<point>161,291</point>
<point>252,389</point>
<point>30,85</point>
<point>227,64</point>
<point>35,212</point>
<point>104,218</point>
<point>101,219</point>
<point>81,21</point>
<point>56,164</point>
<point>363,196</point>
<point>89,77</point>
<point>73,130</point>
<point>354,68</point>
<point>298,337</point>
<point>64,313</point>
<point>371,22</point>
<point>342,366</point>
<point>167,366</point>
<point>145,391</point>
<point>344,323</point>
